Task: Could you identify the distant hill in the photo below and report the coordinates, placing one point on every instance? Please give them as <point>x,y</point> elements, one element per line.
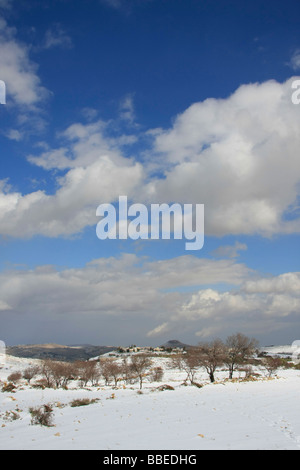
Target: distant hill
<point>72,352</point>
<point>174,343</point>
<point>58,352</point>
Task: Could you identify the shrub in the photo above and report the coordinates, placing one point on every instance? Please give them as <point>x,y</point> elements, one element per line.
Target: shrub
<point>31,372</point>
<point>41,383</point>
<point>271,364</point>
<point>161,388</point>
<point>11,415</point>
<point>249,373</point>
<point>83,401</point>
<point>9,387</point>
<point>196,384</point>
<point>42,415</point>
<point>14,377</point>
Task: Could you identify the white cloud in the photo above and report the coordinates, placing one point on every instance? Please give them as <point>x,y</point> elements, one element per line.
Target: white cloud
<point>83,145</point>
<point>254,307</point>
<point>95,172</point>
<point>4,306</point>
<point>14,134</point>
<point>284,283</point>
<point>229,251</point>
<point>162,329</point>
<point>127,109</point>
<point>295,60</point>
<point>57,37</point>
<point>23,85</point>
<point>128,289</point>
<point>73,206</point>
<point>238,156</point>
<point>149,299</point>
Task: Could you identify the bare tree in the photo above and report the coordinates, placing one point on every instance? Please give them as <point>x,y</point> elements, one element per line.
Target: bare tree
<point>87,371</point>
<point>46,371</point>
<point>156,374</point>
<point>177,361</point>
<point>239,348</point>
<point>31,372</point>
<point>111,369</point>
<point>127,373</point>
<point>57,373</point>
<point>190,363</point>
<point>107,366</point>
<point>139,365</point>
<point>67,372</point>
<point>271,364</point>
<point>211,356</point>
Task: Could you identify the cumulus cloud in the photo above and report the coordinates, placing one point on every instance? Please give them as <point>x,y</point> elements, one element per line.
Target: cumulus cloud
<point>83,145</point>
<point>127,289</point>
<point>255,306</point>
<point>154,299</point>
<point>73,206</point>
<point>23,85</point>
<point>238,156</point>
<point>92,171</point>
<point>284,283</point>
<point>115,284</point>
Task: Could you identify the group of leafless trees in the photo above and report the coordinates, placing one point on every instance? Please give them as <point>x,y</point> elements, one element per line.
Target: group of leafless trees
<point>128,371</point>
<point>232,354</point>
<point>58,374</point>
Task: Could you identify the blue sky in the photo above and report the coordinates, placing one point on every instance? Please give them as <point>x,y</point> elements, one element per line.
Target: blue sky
<point>163,101</point>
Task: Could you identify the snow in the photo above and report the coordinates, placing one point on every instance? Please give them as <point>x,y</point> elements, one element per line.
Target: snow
<point>226,415</point>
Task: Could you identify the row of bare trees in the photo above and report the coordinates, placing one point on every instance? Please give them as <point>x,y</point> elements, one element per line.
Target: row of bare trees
<point>232,353</point>
<point>58,374</point>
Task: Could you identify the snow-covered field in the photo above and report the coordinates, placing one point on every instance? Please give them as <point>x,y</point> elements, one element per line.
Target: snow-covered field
<point>262,414</point>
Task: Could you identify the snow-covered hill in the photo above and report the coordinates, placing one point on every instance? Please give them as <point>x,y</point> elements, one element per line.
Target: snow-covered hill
<point>259,414</point>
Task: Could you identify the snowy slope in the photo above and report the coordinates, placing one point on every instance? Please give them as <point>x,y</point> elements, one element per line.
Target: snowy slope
<point>262,414</point>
